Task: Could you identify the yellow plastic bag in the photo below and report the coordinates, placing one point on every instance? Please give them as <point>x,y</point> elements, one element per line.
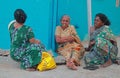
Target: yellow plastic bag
<point>47,62</point>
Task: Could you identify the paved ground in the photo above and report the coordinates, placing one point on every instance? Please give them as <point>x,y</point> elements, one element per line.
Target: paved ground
<point>10,69</point>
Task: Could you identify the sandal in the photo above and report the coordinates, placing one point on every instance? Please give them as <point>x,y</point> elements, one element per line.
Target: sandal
<point>91,67</point>
<point>118,62</point>
<point>4,53</point>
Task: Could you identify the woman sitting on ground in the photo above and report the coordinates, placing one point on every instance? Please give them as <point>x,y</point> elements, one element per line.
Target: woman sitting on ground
<point>69,44</point>
<point>102,46</point>
<point>24,47</point>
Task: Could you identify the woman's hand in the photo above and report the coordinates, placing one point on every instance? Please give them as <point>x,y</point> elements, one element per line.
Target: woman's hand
<point>67,39</point>
<point>35,41</point>
<point>70,39</point>
<point>92,43</point>
<point>92,29</point>
<point>64,39</point>
<point>61,39</point>
<point>113,42</point>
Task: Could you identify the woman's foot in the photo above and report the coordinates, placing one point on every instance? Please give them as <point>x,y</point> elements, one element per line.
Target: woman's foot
<point>73,66</point>
<point>30,69</point>
<point>70,64</point>
<point>108,63</point>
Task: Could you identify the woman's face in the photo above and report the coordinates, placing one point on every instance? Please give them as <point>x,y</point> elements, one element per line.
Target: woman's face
<point>65,21</point>
<point>98,23</point>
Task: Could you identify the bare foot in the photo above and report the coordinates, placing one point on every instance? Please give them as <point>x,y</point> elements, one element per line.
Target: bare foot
<point>73,66</point>
<point>30,69</point>
<point>108,63</point>
<point>68,63</point>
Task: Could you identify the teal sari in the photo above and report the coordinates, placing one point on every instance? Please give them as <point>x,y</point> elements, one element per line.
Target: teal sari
<point>21,50</point>
<point>105,47</point>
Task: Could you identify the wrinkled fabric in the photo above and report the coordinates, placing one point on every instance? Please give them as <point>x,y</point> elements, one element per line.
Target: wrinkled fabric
<point>103,49</point>
<point>70,49</point>
<point>21,50</point>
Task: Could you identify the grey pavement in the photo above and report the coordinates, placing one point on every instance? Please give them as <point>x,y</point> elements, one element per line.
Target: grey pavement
<point>10,69</point>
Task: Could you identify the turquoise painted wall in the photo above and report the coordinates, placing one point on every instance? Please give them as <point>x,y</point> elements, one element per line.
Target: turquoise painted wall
<point>77,10</point>
<point>108,7</point>
<point>39,16</point>
<point>44,15</point>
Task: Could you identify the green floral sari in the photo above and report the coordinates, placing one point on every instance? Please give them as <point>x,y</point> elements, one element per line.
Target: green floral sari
<point>22,50</point>
<point>105,47</point>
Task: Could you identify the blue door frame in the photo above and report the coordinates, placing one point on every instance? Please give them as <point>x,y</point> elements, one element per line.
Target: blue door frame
<point>54,16</point>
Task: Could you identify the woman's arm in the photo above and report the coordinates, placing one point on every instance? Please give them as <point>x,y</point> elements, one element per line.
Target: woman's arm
<point>60,39</point>
<point>35,41</point>
<point>70,38</point>
<point>90,45</point>
<point>92,29</point>
<point>64,39</point>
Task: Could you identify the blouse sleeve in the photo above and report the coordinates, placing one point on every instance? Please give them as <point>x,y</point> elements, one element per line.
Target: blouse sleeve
<point>57,32</point>
<point>73,30</point>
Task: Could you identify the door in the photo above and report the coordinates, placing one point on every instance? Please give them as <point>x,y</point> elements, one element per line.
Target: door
<point>77,10</point>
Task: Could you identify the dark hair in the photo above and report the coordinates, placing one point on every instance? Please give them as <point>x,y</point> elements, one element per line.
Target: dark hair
<point>20,16</point>
<point>103,18</point>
